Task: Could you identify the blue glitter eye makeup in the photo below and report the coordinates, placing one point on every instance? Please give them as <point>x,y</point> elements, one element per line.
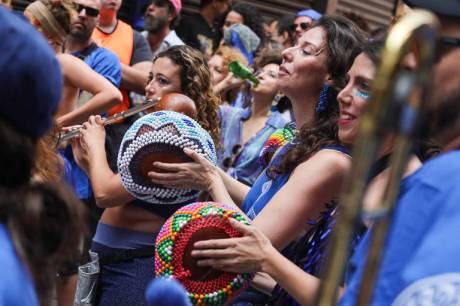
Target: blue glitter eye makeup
<point>362,94</point>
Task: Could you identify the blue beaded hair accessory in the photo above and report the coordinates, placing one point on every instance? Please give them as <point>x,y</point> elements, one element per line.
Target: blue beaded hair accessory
<point>322,103</point>
<point>160,136</point>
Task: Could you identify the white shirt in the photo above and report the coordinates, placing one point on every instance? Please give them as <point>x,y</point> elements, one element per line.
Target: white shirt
<point>170,40</point>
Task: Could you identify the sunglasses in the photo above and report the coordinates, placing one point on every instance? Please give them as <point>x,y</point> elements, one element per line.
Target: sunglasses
<point>303,25</point>
<point>91,12</point>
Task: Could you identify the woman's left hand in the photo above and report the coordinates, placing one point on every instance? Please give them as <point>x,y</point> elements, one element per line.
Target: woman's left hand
<point>247,254</point>
<point>93,134</point>
<point>199,174</point>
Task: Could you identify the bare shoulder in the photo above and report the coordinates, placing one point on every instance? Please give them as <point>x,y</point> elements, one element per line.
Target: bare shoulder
<point>79,73</point>
<point>336,158</point>
<point>69,62</point>
<point>327,161</point>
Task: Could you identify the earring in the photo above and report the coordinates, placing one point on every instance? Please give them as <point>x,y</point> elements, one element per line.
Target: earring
<point>322,103</point>
<point>276,99</point>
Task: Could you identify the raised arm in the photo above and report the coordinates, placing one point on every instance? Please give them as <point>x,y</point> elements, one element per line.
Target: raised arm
<point>90,154</point>
<point>134,78</point>
<point>80,76</point>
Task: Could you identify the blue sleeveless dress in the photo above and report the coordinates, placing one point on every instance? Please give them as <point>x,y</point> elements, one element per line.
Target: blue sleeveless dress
<point>308,250</point>
<point>265,188</point>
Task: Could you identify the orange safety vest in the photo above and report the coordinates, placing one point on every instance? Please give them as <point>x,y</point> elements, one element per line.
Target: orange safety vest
<point>120,42</point>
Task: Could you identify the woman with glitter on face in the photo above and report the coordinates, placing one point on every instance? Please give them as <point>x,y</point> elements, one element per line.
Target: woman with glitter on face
<point>296,269</point>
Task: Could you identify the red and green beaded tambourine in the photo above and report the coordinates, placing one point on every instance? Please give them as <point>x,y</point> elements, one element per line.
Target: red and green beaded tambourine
<point>174,243</point>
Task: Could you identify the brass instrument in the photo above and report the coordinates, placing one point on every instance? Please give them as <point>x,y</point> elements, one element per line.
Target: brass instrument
<point>397,100</point>
<point>74,132</point>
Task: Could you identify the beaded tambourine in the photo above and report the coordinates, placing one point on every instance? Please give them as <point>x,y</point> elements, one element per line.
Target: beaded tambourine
<point>160,136</point>
<point>276,140</point>
<point>174,243</point>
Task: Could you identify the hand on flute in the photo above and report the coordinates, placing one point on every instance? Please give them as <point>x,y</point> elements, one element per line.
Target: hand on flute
<point>90,141</point>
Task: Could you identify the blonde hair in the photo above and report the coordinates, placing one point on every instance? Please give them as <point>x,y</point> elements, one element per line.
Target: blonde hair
<point>196,84</point>
<point>61,10</point>
<point>230,54</point>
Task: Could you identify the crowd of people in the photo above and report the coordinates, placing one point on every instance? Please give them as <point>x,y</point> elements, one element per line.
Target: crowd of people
<point>68,64</point>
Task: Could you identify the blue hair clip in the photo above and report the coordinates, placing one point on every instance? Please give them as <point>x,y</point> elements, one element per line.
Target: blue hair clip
<point>322,103</point>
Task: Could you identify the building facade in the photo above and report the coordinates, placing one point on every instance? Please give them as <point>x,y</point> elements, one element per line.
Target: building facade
<point>377,13</point>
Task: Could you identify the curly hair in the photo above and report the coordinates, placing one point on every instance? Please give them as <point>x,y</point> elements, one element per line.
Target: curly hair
<point>267,56</point>
<point>230,54</point>
<point>196,83</point>
<point>48,165</point>
<point>343,41</point>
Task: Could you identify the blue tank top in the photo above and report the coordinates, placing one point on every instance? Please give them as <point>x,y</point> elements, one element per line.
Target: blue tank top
<point>307,251</point>
<point>265,188</point>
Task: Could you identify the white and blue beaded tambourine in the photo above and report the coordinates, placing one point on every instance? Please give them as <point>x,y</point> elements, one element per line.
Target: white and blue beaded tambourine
<point>160,136</point>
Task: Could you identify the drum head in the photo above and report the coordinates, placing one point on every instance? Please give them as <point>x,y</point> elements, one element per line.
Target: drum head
<point>192,223</point>
<point>160,136</point>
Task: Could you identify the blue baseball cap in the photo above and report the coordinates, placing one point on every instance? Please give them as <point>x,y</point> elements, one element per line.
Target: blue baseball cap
<point>30,77</point>
<point>314,15</point>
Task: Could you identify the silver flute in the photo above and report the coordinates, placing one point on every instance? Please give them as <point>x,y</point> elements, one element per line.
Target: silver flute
<point>76,131</point>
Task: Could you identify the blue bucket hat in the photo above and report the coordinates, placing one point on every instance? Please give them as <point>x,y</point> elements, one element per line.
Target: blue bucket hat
<point>244,39</point>
<point>30,77</point>
<point>314,15</point>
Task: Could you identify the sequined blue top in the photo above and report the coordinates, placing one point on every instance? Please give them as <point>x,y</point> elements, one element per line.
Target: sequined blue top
<point>241,161</point>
